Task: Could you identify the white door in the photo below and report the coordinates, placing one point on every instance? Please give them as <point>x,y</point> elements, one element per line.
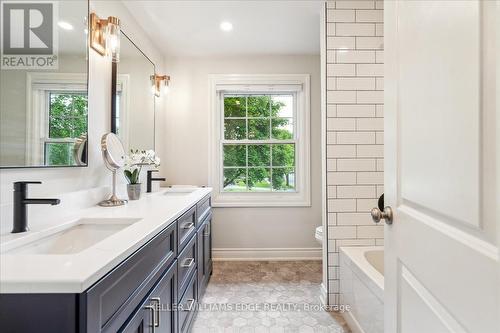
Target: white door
<point>441,271</point>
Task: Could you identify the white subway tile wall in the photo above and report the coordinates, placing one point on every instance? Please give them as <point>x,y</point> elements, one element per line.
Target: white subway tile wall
<point>355,125</point>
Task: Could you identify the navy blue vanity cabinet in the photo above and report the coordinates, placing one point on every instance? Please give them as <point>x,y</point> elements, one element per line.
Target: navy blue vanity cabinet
<point>141,321</point>
<point>186,225</point>
<point>154,290</point>
<point>164,300</point>
<point>204,253</point>
<point>111,301</point>
<point>204,240</point>
<point>188,260</point>
<point>194,263</point>
<point>157,312</point>
<point>188,305</point>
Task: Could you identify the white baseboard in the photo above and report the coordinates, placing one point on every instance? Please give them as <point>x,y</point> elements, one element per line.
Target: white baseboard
<point>263,254</point>
<point>352,323</point>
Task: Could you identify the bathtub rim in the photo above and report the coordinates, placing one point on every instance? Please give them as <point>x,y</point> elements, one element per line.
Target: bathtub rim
<point>354,257</point>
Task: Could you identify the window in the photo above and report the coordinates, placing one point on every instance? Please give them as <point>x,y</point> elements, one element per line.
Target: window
<point>67,121</point>
<point>259,143</point>
<point>260,146</point>
<point>56,117</point>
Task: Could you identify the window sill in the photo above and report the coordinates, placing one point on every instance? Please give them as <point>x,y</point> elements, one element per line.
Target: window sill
<point>261,200</point>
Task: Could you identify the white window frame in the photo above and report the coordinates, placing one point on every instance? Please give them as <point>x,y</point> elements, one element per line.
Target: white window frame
<point>122,88</point>
<point>261,83</point>
<point>38,85</point>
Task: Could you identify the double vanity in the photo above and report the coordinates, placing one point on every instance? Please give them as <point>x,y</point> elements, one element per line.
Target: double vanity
<point>141,267</point>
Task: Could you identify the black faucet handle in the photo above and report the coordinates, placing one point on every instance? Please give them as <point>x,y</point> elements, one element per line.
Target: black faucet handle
<point>21,185</point>
<point>150,173</point>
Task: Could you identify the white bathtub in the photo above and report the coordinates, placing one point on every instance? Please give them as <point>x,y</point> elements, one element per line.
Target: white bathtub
<point>362,287</point>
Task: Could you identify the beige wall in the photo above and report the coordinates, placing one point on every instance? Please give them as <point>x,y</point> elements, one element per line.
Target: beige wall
<point>185,151</point>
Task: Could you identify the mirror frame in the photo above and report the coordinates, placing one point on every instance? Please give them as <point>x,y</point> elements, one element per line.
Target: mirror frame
<point>87,56</point>
<point>114,75</point>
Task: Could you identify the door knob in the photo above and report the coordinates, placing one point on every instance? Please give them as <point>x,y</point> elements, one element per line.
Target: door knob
<point>378,215</point>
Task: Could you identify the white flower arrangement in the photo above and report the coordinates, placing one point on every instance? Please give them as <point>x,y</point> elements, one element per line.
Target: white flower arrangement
<point>134,162</point>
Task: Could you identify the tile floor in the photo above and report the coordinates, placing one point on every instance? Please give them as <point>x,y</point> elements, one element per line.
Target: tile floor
<point>255,297</point>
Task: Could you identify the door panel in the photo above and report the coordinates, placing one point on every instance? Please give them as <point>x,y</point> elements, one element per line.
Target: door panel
<point>439,81</point>
<point>141,321</point>
<point>441,252</point>
<point>201,259</point>
<point>164,300</point>
<point>188,305</point>
<point>207,249</point>
<point>417,302</point>
<point>204,255</point>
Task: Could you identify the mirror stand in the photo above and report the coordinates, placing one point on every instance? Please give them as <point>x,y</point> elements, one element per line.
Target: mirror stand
<point>113,200</point>
<point>113,155</point>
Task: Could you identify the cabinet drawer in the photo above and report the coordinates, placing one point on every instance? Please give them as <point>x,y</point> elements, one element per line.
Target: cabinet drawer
<point>186,225</point>
<point>188,304</point>
<point>202,209</point>
<point>187,263</point>
<point>111,300</point>
<point>156,313</point>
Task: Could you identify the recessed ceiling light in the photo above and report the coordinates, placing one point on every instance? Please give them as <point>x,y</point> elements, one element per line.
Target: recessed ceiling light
<point>65,25</point>
<point>226,26</point>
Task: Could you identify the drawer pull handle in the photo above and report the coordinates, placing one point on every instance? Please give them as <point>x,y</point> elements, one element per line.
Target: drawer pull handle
<point>188,225</point>
<point>156,319</point>
<point>207,232</point>
<point>190,302</point>
<point>152,310</point>
<point>187,263</point>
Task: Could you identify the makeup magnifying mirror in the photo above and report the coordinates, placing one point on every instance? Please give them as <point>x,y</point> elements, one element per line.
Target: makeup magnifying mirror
<point>113,154</point>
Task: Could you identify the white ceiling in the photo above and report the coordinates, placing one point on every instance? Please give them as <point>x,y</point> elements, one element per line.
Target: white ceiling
<point>191,28</point>
<point>72,41</point>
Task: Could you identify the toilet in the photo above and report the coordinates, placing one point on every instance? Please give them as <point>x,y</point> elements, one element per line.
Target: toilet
<point>319,234</point>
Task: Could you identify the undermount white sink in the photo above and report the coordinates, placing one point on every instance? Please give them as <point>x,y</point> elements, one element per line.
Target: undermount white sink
<point>180,190</point>
<point>77,237</point>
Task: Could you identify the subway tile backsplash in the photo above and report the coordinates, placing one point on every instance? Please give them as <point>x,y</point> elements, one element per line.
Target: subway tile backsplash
<point>355,125</point>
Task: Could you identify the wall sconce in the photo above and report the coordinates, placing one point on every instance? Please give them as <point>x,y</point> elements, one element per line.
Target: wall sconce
<point>105,36</point>
<point>156,82</point>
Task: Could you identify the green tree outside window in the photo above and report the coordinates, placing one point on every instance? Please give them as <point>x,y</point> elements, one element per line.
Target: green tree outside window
<point>67,121</point>
<point>263,166</point>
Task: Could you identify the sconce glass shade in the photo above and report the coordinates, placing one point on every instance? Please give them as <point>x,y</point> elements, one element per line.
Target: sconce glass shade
<point>166,87</point>
<point>113,38</point>
<point>160,83</point>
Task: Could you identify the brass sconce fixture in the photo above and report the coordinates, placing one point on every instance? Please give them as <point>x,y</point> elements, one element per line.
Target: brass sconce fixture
<point>156,81</point>
<point>105,36</point>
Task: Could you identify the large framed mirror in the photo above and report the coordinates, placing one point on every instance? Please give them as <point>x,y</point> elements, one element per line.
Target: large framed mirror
<point>133,107</point>
<point>43,103</point>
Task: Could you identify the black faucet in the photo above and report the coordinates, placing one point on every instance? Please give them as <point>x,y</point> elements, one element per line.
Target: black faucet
<point>150,179</point>
<point>20,202</point>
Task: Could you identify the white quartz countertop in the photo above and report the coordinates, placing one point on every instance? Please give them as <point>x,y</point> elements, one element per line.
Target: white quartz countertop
<point>74,273</point>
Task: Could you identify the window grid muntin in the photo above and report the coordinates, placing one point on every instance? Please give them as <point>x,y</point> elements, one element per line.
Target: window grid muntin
<point>72,118</point>
<point>47,139</point>
<point>271,141</point>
